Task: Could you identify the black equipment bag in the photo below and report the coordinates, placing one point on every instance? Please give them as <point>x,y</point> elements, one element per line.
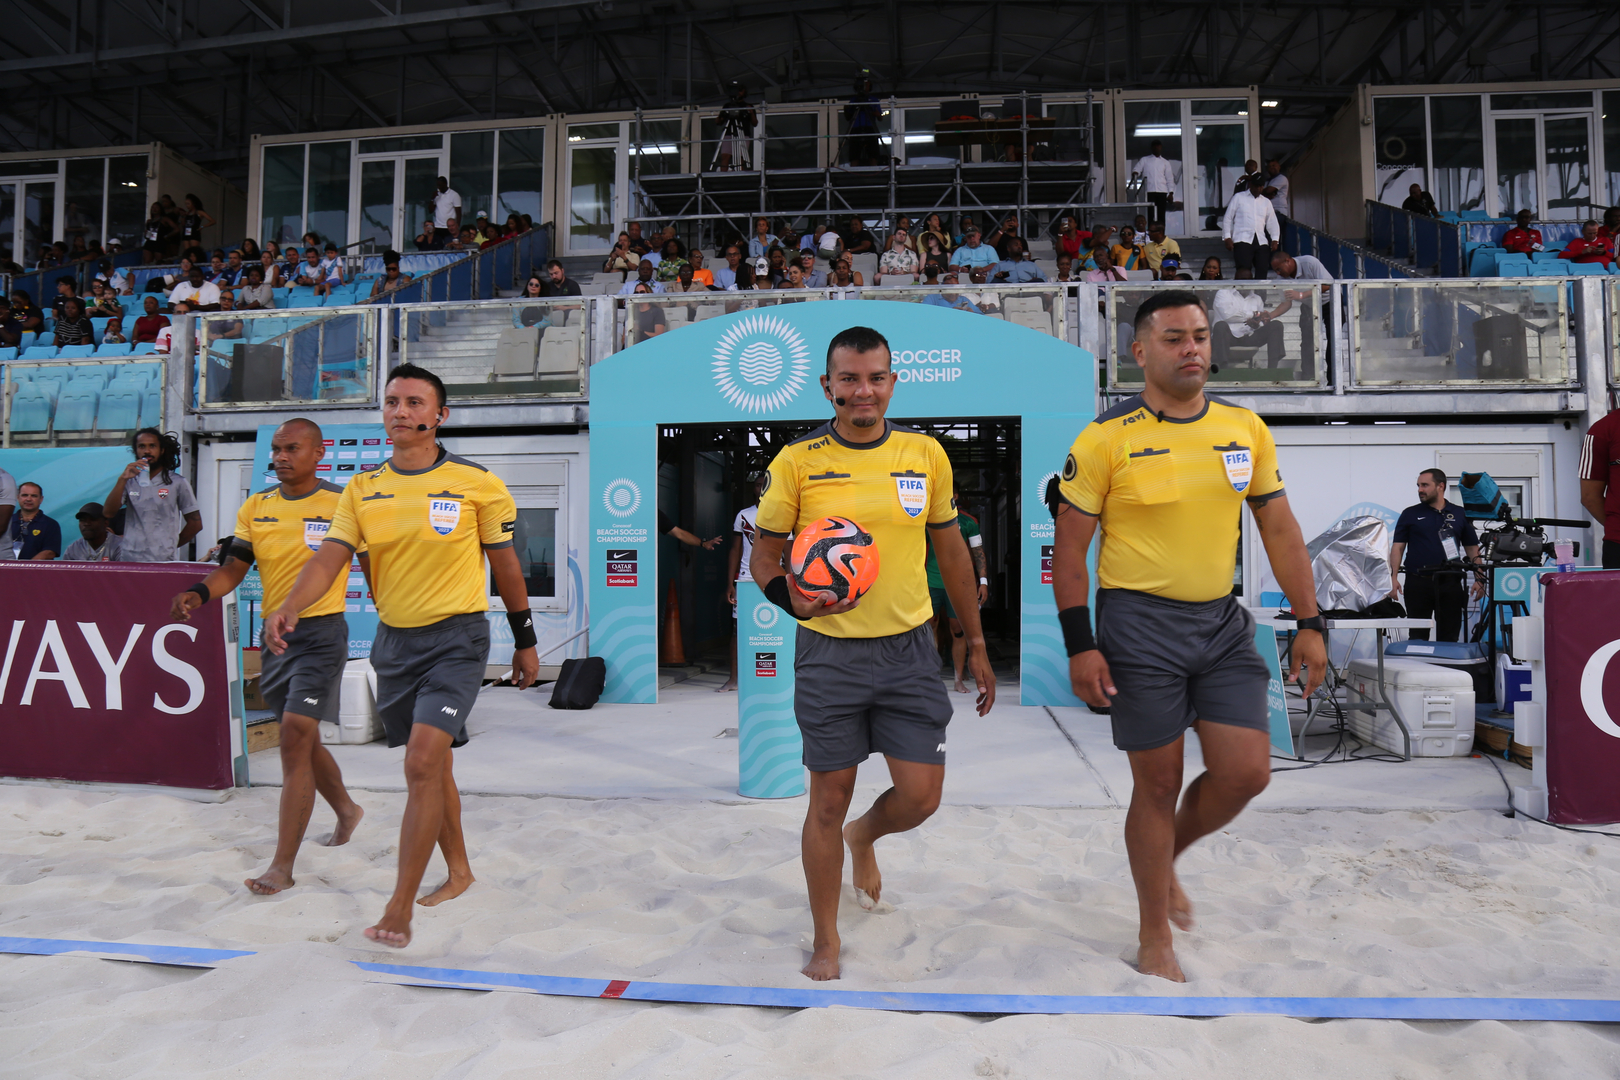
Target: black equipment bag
<point>579,684</point>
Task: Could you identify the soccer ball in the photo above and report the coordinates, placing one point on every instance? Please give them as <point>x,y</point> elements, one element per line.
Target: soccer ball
<point>832,559</point>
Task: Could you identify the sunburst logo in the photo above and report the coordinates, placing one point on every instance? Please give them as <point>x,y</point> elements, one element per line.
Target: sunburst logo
<point>761,363</point>
<point>621,497</point>
<point>1040,487</point>
<point>766,614</point>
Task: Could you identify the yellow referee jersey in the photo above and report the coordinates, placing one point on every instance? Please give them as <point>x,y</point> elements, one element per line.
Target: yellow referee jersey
<point>425,533</point>
<point>280,532</point>
<point>1170,494</point>
<point>891,488</point>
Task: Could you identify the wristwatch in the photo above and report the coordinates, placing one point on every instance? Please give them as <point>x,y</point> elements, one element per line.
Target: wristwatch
<point>1315,622</point>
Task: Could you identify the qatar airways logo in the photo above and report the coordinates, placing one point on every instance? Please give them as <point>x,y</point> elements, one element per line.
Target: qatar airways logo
<point>761,363</point>
<point>53,663</point>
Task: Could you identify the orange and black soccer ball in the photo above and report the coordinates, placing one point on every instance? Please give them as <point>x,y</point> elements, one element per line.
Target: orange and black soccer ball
<point>832,559</point>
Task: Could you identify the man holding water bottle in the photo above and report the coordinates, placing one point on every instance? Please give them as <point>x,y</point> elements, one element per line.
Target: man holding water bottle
<point>1428,535</point>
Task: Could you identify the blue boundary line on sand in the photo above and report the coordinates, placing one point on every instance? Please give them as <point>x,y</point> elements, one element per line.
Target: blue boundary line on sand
<point>1582,1010</point>
<point>177,955</point>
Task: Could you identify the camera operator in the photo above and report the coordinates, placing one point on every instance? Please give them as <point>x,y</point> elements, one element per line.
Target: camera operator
<point>1430,534</point>
<point>1600,483</point>
<point>736,122</point>
<point>863,111</point>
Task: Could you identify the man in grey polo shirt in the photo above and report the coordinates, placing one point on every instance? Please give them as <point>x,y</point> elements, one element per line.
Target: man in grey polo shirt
<point>1286,267</point>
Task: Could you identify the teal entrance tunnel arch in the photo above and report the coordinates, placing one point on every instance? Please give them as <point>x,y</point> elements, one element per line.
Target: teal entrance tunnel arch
<point>765,365</point>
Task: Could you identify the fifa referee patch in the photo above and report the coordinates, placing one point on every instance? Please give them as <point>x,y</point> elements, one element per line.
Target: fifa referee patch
<point>1239,464</point>
<point>444,515</point>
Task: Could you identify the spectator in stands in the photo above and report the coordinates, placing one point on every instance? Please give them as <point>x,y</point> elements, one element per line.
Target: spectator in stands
<point>775,266</point>
<point>215,271</point>
<point>864,113</point>
<point>650,320</point>
<point>160,510</point>
<point>148,325</point>
<point>155,234</point>
<point>462,240</point>
<point>1251,171</point>
<point>792,276</point>
<point>644,276</point>
<point>311,274</point>
<point>1000,237</point>
<point>844,275</point>
<point>104,302</point>
<point>24,311</point>
<point>249,249</point>
<point>1103,260</point>
<point>1589,247</point>
<point>621,260</point>
<point>256,295</point>
<point>274,248</point>
<point>828,244</point>
<point>269,269</point>
<point>96,542</point>
<point>1158,248</point>
<point>735,124</point>
<point>988,302</point>
<point>961,238</point>
<point>1127,254</point>
<point>225,328</point>
<point>1249,226</point>
<point>1239,317</point>
<point>1158,179</point>
<point>1419,201</point>
<point>972,254</point>
<point>700,275</point>
<point>684,281</point>
<point>1522,239</point>
<point>8,265</point>
<point>1276,188</point>
<point>445,204</point>
<point>431,238</point>
<point>813,278</point>
<point>725,277</point>
<point>194,220</point>
<point>77,249</point>
<point>113,333</point>
<point>312,239</point>
<point>934,225</point>
<point>72,327</point>
<point>292,264</point>
<point>763,239</point>
<point>65,290</point>
<point>789,239</point>
<point>899,261</point>
<point>1610,227</point>
<point>858,241</point>
<point>517,224</point>
<point>745,277</point>
<point>1298,268</point>
<point>535,287</point>
<point>35,535</point>
<point>638,245</point>
<point>1065,268</point>
<point>11,330</point>
<point>558,283</point>
<point>203,295</point>
<point>934,253</point>
<point>332,276</point>
<point>1015,269</point>
<point>669,266</point>
<point>951,297</point>
<point>392,280</point>
<point>1070,240</point>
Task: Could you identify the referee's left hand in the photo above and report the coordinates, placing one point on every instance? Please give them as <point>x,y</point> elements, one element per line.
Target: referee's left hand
<point>978,663</point>
<point>1309,649</point>
<point>526,665</point>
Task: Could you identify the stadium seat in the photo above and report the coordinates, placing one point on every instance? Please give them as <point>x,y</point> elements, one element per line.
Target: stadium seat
<point>114,349</point>
<point>120,409</point>
<point>1035,320</point>
<point>99,326</point>
<point>1543,256</point>
<point>39,352</point>
<point>151,408</point>
<point>87,380</point>
<point>708,311</point>
<point>50,384</point>
<point>559,351</point>
<point>1588,269</point>
<point>8,354</point>
<point>30,409</point>
<point>281,296</point>
<point>1557,268</point>
<point>1482,262</point>
<point>1512,266</point>
<point>144,348</point>
<point>69,352</point>
<point>28,339</point>
<point>76,409</point>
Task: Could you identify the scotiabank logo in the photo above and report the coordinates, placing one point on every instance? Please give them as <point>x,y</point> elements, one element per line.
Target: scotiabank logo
<point>54,644</point>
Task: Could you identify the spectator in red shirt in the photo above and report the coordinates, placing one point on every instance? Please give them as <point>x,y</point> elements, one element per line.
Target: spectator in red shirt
<point>1600,483</point>
<point>148,325</point>
<point>1611,223</point>
<point>1522,239</point>
<point>1589,247</point>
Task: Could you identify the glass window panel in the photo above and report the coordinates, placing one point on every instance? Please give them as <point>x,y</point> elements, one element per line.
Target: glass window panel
<point>1224,107</point>
<point>1460,332</point>
<point>579,132</point>
<point>400,143</point>
<point>1568,169</point>
<point>1222,149</point>
<point>1611,143</point>
<point>8,220</point>
<point>377,203</point>
<point>1459,152</point>
<point>282,194</point>
<point>126,199</point>
<point>81,203</point>
<point>522,176</point>
<point>1400,147</point>
<point>591,197</point>
<point>660,152</point>
<point>921,149</point>
<point>790,140</point>
<point>1516,166</point>
<point>48,167</point>
<point>472,171</point>
<point>39,219</point>
<point>1147,122</point>
<point>535,541</point>
<point>329,191</point>
<point>421,182</point>
<point>1567,99</point>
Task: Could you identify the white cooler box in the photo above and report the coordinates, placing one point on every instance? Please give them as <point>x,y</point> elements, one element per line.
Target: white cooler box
<point>1436,702</point>
<point>358,721</point>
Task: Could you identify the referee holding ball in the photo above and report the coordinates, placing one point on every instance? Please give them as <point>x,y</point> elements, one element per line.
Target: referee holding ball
<point>866,670</point>
<point>1165,474</point>
<point>428,519</point>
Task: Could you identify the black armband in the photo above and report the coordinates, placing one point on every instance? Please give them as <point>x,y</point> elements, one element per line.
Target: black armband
<point>522,624</point>
<point>201,590</point>
<point>776,591</point>
<point>1076,623</point>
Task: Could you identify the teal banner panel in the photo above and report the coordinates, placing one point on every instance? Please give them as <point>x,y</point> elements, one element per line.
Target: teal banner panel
<point>770,751</point>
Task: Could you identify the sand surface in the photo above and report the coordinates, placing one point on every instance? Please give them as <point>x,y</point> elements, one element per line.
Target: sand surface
<point>988,899</point>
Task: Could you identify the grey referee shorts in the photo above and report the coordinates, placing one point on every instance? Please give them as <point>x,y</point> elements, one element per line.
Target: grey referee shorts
<point>430,675</point>
<point>305,679</point>
<point>857,696</point>
<point>1176,661</point>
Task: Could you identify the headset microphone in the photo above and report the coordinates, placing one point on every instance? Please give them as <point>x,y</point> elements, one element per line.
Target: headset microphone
<point>839,402</point>
<point>1214,369</point>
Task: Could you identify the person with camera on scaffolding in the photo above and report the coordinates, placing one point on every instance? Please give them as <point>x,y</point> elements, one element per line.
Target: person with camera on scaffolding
<point>736,122</point>
<point>863,112</point>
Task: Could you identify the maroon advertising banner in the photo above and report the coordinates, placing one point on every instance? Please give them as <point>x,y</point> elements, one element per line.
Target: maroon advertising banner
<point>98,684</point>
<point>1582,635</point>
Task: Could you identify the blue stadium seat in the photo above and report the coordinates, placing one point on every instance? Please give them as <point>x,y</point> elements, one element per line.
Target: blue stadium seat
<point>144,348</point>
<point>114,349</point>
<point>97,383</point>
<point>120,409</point>
<point>1556,268</point>
<point>28,339</point>
<point>39,352</point>
<point>1588,269</point>
<point>68,352</point>
<point>1512,266</point>
<point>1475,215</point>
<point>8,354</point>
<point>151,408</point>
<point>1543,256</point>
<point>51,384</point>
<point>1483,261</point>
<point>76,409</point>
<point>281,296</point>
<point>30,409</point>
<point>306,300</point>
<point>99,325</point>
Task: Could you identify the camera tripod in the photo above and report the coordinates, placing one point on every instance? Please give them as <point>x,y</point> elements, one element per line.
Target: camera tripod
<point>734,134</point>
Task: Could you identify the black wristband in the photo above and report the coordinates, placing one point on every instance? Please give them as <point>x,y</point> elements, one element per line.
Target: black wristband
<point>201,590</point>
<point>1313,622</point>
<point>1076,623</point>
<point>776,591</point>
<point>522,624</point>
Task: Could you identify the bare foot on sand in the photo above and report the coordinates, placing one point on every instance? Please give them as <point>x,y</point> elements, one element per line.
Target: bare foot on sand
<point>347,820</point>
<point>1181,910</point>
<point>731,684</point>
<point>448,891</point>
<point>863,863</point>
<point>394,933</point>
<point>1160,960</point>
<point>961,687</point>
<point>270,882</point>
<point>823,963</point>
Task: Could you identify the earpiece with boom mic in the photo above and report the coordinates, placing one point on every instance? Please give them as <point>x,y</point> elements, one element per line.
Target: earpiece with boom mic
<point>839,402</point>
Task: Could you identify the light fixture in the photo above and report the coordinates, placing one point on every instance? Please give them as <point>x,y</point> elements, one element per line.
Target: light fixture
<point>1270,103</point>
<point>1146,131</point>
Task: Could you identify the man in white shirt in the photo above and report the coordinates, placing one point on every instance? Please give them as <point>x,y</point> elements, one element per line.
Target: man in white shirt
<point>1249,226</point>
<point>446,205</point>
<point>1240,317</point>
<point>1159,180</point>
<point>742,549</point>
<point>1277,188</point>
<point>199,294</point>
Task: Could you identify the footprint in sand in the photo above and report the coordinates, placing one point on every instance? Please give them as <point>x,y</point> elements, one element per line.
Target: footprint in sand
<point>876,907</point>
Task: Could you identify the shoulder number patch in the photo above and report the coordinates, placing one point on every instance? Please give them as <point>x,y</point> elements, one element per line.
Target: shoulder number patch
<point>913,493</point>
<point>1239,468</point>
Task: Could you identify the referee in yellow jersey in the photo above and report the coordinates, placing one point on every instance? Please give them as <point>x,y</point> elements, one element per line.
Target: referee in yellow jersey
<point>428,520</point>
<point>280,528</point>
<point>866,670</point>
<point>1165,474</point>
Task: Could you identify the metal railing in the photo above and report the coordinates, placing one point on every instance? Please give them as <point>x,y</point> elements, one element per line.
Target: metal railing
<point>500,350</point>
<point>485,274</point>
<point>314,356</point>
<point>1346,261</point>
<point>82,401</point>
<point>1042,308</point>
<point>1424,242</point>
